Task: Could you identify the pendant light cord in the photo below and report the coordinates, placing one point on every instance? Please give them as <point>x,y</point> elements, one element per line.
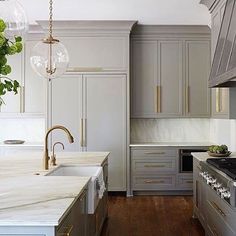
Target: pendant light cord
<point>50,18</point>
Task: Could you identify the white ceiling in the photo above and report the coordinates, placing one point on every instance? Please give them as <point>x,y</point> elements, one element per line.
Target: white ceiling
<point>145,11</point>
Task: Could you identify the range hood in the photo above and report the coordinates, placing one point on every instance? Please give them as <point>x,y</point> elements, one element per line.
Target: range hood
<point>223,71</point>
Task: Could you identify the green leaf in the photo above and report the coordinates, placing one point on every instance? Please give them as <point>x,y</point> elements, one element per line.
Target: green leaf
<point>11,50</point>
<point>19,47</point>
<point>18,39</point>
<point>5,70</point>
<point>2,25</point>
<point>3,61</point>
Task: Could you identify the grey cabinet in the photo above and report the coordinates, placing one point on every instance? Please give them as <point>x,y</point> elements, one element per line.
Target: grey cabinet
<point>95,111</point>
<point>170,68</point>
<point>197,96</point>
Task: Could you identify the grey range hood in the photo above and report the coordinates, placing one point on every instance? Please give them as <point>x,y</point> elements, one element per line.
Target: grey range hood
<point>223,71</point>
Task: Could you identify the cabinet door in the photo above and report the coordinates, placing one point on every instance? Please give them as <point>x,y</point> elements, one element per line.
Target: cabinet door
<point>144,79</point>
<point>170,79</point>
<point>105,108</point>
<point>197,95</point>
<point>34,85</point>
<point>13,103</point>
<point>66,98</point>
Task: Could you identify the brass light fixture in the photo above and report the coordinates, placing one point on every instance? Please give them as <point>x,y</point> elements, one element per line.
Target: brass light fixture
<point>49,58</point>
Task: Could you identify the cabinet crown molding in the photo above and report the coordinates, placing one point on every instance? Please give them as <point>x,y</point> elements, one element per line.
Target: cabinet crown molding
<point>170,30</point>
<point>60,26</point>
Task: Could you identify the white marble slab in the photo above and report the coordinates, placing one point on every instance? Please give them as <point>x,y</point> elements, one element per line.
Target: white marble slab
<point>38,200</point>
<point>203,156</point>
<point>31,163</point>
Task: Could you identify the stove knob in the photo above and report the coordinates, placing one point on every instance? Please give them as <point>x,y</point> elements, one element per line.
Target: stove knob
<point>226,195</point>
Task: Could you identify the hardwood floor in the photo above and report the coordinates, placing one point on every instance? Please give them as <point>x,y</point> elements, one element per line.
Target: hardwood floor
<point>151,216</point>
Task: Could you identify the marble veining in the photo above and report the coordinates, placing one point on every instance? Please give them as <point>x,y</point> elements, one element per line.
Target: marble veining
<point>27,199</point>
<point>170,130</point>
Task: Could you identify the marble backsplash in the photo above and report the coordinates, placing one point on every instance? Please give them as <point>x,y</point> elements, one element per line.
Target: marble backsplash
<point>170,130</point>
<point>30,130</point>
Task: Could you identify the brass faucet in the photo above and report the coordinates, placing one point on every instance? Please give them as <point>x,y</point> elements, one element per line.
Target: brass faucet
<point>46,156</point>
<point>53,157</point>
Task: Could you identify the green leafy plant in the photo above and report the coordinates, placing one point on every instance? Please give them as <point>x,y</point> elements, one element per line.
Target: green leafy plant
<point>7,47</point>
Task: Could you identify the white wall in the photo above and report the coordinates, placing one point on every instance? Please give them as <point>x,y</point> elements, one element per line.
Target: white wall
<point>145,11</point>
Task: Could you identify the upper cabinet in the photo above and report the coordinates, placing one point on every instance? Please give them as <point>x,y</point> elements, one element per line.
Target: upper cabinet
<point>169,71</point>
<point>31,97</point>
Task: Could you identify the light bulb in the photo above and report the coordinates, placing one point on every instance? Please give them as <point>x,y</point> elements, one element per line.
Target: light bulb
<point>49,60</point>
<point>14,16</point>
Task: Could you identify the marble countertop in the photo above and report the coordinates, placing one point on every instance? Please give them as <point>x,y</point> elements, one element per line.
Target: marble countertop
<point>203,156</point>
<point>171,144</point>
<point>37,200</point>
<point>31,163</point>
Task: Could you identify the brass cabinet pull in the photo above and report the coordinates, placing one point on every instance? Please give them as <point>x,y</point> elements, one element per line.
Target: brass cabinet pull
<point>187,92</point>
<point>152,166</point>
<point>218,107</point>
<point>22,99</point>
<point>218,208</point>
<point>82,196</point>
<point>84,69</point>
<point>81,133</point>
<point>158,99</point>
<point>85,133</point>
<point>154,181</point>
<point>154,153</point>
<point>68,233</point>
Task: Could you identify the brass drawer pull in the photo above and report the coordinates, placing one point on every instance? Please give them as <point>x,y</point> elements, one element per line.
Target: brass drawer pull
<point>154,181</point>
<point>81,132</point>
<point>218,108</point>
<point>82,196</point>
<point>83,69</point>
<point>153,166</point>
<point>187,99</point>
<point>218,208</point>
<point>154,153</point>
<point>68,233</point>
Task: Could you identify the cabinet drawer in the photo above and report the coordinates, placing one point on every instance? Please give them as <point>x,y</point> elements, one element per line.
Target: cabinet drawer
<point>158,182</point>
<point>151,152</point>
<point>185,182</point>
<point>97,53</point>
<point>155,165</point>
<point>66,227</point>
<point>220,217</point>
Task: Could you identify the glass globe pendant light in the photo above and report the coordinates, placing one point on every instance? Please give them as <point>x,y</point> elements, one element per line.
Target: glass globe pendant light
<point>49,58</point>
<point>14,16</point>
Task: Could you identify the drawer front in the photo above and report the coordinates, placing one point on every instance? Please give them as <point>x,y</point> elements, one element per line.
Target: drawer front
<point>153,152</point>
<point>220,218</point>
<point>96,54</point>
<point>185,182</point>
<point>154,165</point>
<point>105,173</point>
<point>66,227</point>
<point>157,182</point>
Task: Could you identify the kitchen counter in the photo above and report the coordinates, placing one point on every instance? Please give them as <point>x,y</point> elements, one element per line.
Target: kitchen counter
<point>172,144</point>
<point>25,144</point>
<point>38,200</point>
<point>203,156</point>
<point>31,163</point>
<point>32,200</point>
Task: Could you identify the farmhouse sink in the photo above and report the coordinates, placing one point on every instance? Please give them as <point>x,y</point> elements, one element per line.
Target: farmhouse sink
<point>95,172</point>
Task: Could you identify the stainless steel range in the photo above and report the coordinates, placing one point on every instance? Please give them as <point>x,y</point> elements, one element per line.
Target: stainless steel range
<point>220,174</point>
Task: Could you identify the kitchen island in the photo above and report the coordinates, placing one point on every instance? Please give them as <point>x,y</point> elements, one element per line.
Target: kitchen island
<point>34,204</point>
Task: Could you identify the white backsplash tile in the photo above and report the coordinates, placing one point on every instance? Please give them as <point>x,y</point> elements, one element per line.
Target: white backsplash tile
<point>30,130</point>
<point>170,130</point>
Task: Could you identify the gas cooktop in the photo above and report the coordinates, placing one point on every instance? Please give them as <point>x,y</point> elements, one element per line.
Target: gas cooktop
<point>226,165</point>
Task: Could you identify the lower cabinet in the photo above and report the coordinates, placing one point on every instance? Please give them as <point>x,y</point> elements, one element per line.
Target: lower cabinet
<point>215,215</point>
<point>158,169</point>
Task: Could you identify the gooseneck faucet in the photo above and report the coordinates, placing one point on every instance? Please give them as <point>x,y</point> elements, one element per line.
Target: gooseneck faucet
<point>46,156</point>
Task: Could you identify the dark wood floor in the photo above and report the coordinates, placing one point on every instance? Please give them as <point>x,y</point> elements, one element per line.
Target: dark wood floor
<point>151,216</point>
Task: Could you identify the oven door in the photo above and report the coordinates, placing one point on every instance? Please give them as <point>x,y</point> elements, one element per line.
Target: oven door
<point>186,162</point>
